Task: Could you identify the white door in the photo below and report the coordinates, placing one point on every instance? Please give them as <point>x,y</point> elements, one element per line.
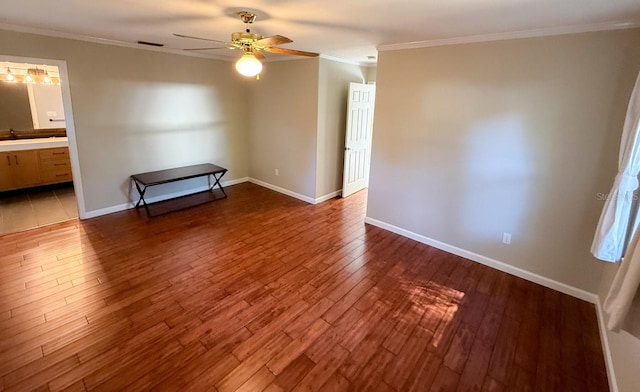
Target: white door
<point>357,150</point>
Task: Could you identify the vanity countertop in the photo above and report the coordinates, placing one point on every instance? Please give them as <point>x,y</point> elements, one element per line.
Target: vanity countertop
<point>33,144</point>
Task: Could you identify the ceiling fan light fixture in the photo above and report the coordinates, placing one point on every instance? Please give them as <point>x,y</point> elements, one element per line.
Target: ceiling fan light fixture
<point>248,65</point>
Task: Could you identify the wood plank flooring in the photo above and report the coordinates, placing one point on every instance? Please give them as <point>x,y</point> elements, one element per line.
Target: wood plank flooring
<point>262,292</point>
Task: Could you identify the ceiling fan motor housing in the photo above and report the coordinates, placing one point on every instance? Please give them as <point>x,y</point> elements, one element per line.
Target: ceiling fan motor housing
<point>245,37</point>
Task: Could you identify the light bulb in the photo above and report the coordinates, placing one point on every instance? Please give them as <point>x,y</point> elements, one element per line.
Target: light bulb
<point>29,79</point>
<point>248,65</point>
<point>47,79</point>
<point>10,77</point>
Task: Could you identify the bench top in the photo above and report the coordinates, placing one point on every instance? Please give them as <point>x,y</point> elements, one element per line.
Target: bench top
<point>177,174</point>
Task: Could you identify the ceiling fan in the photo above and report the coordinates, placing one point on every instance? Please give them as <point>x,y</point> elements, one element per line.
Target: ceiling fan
<point>252,46</point>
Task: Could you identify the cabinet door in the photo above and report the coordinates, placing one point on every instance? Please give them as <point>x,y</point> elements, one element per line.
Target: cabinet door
<point>6,178</point>
<point>26,171</point>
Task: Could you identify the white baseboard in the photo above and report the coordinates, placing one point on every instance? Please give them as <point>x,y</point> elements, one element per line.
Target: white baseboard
<point>235,182</point>
<point>328,196</point>
<point>126,206</point>
<point>107,210</point>
<point>284,191</point>
<point>293,194</point>
<point>606,349</point>
<point>499,265</point>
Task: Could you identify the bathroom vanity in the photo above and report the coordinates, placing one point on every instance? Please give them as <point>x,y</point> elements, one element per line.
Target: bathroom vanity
<point>27,163</point>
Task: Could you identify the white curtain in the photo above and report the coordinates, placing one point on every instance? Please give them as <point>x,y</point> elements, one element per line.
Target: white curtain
<point>624,287</point>
<point>609,240</point>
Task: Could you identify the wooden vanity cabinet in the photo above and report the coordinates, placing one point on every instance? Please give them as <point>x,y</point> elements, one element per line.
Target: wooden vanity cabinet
<point>55,165</point>
<point>27,168</point>
<point>20,169</point>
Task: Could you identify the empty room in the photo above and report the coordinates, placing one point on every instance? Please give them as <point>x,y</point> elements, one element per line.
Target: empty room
<point>341,196</point>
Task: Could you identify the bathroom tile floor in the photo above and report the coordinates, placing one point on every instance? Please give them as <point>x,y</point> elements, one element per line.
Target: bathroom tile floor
<point>36,207</point>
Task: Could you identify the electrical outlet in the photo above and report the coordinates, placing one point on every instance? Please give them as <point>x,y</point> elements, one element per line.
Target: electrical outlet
<point>506,238</point>
<point>277,172</point>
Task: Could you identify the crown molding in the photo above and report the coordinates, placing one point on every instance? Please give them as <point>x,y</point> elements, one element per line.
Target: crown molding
<point>513,35</point>
<point>106,41</point>
<point>347,61</point>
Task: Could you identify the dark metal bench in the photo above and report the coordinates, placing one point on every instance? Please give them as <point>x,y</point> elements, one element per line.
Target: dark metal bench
<point>143,181</point>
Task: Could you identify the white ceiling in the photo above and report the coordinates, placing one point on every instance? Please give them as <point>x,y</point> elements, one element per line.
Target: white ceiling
<point>348,29</point>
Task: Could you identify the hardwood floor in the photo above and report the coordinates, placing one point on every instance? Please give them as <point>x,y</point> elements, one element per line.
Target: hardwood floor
<point>264,292</point>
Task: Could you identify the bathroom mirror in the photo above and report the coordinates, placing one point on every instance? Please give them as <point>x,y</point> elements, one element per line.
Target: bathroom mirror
<point>30,97</point>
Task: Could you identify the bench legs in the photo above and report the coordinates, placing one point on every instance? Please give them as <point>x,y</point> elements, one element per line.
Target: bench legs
<point>141,192</point>
<point>216,182</point>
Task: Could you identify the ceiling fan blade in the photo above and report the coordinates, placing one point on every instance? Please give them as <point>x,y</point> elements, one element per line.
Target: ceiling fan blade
<point>291,51</point>
<point>272,41</point>
<point>219,47</point>
<point>258,55</point>
<point>203,39</point>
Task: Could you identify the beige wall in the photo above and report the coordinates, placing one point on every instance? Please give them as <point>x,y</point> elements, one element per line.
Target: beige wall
<point>471,141</point>
<point>137,110</point>
<point>283,113</point>
<point>514,136</point>
<point>334,79</point>
<point>298,111</point>
<point>371,74</point>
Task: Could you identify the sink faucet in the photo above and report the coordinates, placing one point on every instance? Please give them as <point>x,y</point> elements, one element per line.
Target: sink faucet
<point>12,133</point>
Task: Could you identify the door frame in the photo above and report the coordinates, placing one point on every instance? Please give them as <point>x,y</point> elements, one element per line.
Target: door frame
<point>69,121</point>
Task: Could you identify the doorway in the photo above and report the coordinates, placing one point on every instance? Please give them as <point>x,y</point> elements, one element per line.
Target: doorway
<point>39,168</point>
<point>359,134</point>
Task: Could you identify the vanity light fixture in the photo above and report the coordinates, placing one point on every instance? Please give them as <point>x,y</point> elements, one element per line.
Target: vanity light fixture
<point>47,79</point>
<point>10,77</point>
<point>28,75</point>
